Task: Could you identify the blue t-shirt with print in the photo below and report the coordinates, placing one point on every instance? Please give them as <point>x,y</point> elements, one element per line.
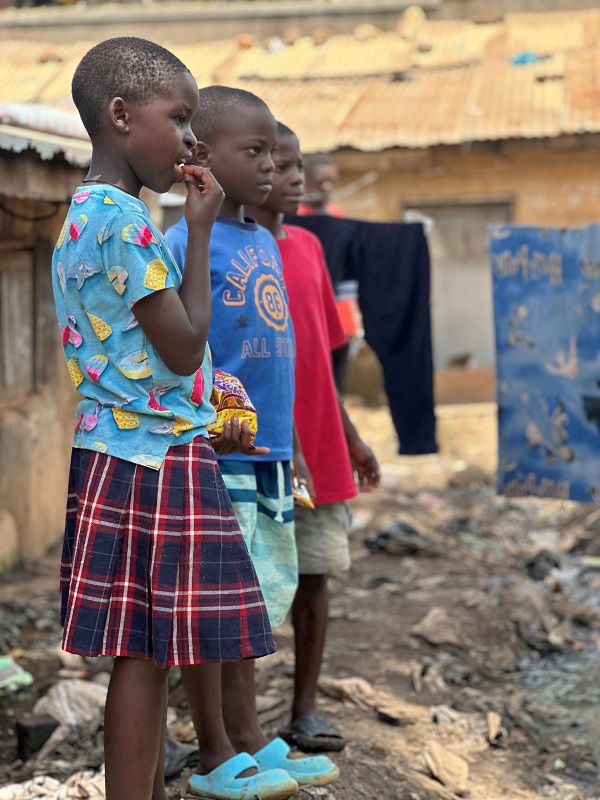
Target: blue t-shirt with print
<point>108,256</point>
<point>251,333</point>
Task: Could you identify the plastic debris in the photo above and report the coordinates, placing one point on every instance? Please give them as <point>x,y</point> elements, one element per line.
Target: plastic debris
<point>13,676</point>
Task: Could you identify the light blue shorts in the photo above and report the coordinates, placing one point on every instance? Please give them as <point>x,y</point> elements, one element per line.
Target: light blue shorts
<point>261,494</point>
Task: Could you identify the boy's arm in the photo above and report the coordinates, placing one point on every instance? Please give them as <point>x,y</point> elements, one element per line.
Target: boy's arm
<point>301,470</point>
<point>362,459</point>
<point>177,323</point>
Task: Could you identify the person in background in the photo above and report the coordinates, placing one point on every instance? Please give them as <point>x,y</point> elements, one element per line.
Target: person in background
<point>329,441</point>
<point>320,177</point>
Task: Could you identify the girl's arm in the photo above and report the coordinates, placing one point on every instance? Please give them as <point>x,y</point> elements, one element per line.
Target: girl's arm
<point>177,323</point>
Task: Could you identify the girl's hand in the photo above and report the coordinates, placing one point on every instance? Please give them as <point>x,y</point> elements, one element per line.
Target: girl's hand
<point>204,197</point>
<point>236,439</point>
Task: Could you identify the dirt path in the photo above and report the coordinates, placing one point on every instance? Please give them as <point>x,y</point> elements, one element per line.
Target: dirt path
<point>433,635</point>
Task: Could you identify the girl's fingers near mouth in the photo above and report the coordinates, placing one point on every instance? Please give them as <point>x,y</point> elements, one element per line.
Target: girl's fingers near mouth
<point>200,175</point>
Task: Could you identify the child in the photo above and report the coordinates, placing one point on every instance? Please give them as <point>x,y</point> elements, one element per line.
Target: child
<point>320,177</point>
<point>329,441</point>
<point>154,571</point>
<point>251,336</point>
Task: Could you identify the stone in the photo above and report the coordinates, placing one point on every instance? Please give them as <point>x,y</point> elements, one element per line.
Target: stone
<point>438,627</point>
<point>450,770</point>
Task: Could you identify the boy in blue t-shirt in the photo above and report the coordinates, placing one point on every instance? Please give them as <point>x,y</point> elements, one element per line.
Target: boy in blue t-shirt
<point>251,337</point>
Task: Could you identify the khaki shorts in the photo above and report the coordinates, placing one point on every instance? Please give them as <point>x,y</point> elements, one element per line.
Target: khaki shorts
<point>322,538</point>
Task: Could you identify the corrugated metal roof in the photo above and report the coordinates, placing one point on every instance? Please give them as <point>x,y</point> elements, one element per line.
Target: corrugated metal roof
<point>47,145</point>
<point>24,68</point>
<point>42,119</point>
<point>204,60</point>
<point>338,57</point>
<point>482,103</point>
<point>451,43</point>
<point>430,83</point>
<point>317,112</point>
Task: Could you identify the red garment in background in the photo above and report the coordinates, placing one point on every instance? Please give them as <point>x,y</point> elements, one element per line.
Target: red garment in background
<point>346,307</point>
<point>330,209</point>
<point>318,331</point>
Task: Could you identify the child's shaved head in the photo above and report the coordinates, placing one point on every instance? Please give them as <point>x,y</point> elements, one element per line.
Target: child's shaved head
<point>215,104</point>
<point>283,130</point>
<point>135,69</point>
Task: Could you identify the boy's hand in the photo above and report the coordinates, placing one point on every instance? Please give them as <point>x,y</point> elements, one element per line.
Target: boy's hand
<point>302,473</point>
<point>236,439</point>
<point>364,465</point>
<point>204,196</point>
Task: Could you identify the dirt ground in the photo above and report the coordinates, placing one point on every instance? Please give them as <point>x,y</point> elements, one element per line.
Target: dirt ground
<point>435,636</point>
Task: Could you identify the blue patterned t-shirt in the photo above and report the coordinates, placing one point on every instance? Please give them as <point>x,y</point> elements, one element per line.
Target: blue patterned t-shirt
<point>109,256</point>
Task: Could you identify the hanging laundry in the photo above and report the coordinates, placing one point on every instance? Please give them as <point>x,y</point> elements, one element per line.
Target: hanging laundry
<point>390,262</point>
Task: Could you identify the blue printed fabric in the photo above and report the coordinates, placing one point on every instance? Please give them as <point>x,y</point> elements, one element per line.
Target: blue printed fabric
<point>546,312</point>
<point>109,256</point>
<point>251,334</point>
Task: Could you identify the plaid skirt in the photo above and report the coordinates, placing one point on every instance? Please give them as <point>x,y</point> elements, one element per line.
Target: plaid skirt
<point>154,565</point>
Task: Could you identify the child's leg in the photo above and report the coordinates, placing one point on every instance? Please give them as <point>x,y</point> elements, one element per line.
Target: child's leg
<point>158,789</point>
<point>202,686</point>
<point>310,613</point>
<point>239,707</point>
<point>133,728</point>
<point>322,542</point>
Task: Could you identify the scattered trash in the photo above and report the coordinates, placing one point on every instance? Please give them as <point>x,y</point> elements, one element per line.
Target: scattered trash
<point>85,785</point>
<point>495,731</point>
<point>444,715</point>
<point>357,690</point>
<point>73,702</point>
<point>486,625</point>
<point>12,676</point>
<point>541,565</point>
<point>33,731</point>
<point>178,756</point>
<point>396,712</point>
<point>402,539</point>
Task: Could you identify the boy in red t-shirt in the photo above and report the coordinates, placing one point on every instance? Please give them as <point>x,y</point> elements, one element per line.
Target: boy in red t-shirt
<point>332,449</point>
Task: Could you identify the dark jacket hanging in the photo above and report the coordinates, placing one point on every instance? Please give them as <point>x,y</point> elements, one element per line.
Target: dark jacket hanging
<point>390,261</point>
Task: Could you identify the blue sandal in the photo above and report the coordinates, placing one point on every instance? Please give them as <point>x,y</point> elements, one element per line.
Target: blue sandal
<point>222,783</point>
<point>307,771</point>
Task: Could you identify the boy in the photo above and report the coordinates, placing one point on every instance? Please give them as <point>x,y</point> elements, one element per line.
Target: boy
<point>329,441</point>
<point>251,337</point>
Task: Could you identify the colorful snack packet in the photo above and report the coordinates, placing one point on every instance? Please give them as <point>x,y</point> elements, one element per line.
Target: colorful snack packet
<point>230,399</point>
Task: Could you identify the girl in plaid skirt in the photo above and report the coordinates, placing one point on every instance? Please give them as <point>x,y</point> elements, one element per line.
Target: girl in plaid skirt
<point>155,571</point>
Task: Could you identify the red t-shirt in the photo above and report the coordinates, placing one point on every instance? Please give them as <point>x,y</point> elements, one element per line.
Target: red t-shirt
<point>317,331</point>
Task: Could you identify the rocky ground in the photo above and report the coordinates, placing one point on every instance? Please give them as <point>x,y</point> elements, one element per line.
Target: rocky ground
<point>463,651</point>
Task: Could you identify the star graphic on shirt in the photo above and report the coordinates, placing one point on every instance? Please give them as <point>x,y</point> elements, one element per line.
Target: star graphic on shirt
<point>242,321</point>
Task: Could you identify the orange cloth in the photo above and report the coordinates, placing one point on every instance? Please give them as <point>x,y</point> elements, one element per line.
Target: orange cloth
<point>348,315</point>
<point>330,209</point>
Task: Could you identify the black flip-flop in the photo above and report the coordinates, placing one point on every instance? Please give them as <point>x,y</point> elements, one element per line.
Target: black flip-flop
<point>313,734</point>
